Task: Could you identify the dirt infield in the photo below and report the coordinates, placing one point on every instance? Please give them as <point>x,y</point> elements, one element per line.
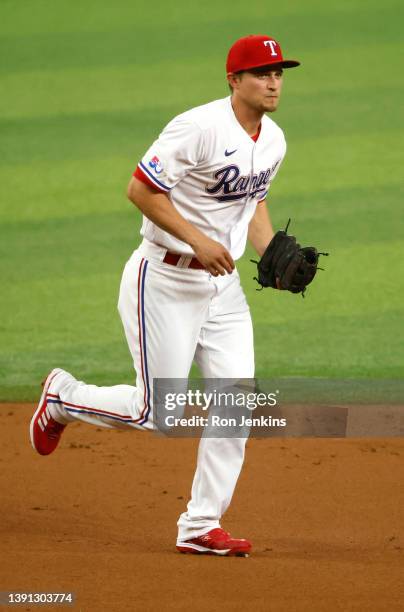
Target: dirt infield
<point>98,518</point>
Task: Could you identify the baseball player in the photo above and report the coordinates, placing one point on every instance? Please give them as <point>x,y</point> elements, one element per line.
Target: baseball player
<point>202,188</point>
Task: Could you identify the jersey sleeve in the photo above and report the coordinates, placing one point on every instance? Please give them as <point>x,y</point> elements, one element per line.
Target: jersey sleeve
<point>172,156</point>
<point>139,174</point>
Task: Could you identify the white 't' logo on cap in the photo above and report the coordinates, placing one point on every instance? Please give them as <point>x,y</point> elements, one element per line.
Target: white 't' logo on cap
<point>272,45</point>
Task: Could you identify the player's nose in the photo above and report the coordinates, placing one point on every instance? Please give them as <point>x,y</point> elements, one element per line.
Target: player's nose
<point>271,81</point>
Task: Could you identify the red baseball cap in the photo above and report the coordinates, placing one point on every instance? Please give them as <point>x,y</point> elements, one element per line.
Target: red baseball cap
<point>254,51</point>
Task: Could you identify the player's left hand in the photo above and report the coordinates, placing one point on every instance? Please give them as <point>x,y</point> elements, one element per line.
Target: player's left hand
<point>286,265</point>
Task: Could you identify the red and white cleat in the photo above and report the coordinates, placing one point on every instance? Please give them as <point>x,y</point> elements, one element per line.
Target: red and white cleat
<point>45,432</point>
<point>216,542</point>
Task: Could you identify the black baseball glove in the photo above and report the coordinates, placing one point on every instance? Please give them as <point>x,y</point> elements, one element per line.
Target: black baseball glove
<point>286,265</point>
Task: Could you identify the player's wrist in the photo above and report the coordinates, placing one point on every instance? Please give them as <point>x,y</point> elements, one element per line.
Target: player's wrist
<point>196,240</point>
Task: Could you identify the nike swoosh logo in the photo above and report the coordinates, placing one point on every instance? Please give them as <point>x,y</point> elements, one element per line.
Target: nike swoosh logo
<point>227,153</point>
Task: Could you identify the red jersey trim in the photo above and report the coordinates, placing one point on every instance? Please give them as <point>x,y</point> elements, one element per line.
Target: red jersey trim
<point>255,137</point>
<point>141,176</point>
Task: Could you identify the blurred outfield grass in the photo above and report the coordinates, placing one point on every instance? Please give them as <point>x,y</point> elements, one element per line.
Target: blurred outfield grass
<point>86,86</point>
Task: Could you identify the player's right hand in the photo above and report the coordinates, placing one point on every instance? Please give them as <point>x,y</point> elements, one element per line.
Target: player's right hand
<point>214,256</point>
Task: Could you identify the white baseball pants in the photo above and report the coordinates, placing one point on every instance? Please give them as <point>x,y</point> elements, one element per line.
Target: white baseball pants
<point>171,316</point>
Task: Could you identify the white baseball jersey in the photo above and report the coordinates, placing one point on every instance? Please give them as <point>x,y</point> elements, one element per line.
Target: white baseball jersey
<point>214,173</point>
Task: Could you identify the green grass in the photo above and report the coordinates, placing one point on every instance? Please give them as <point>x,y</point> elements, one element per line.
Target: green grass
<point>87,86</point>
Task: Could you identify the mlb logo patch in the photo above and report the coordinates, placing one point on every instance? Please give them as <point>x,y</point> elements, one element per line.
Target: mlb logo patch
<point>155,164</point>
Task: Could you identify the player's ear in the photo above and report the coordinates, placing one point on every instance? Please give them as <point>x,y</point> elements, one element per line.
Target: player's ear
<point>233,79</point>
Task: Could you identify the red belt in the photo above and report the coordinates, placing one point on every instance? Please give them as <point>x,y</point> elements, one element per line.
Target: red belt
<point>174,258</point>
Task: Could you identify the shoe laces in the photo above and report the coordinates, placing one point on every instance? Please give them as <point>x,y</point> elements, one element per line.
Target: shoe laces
<point>218,532</point>
<point>54,429</point>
